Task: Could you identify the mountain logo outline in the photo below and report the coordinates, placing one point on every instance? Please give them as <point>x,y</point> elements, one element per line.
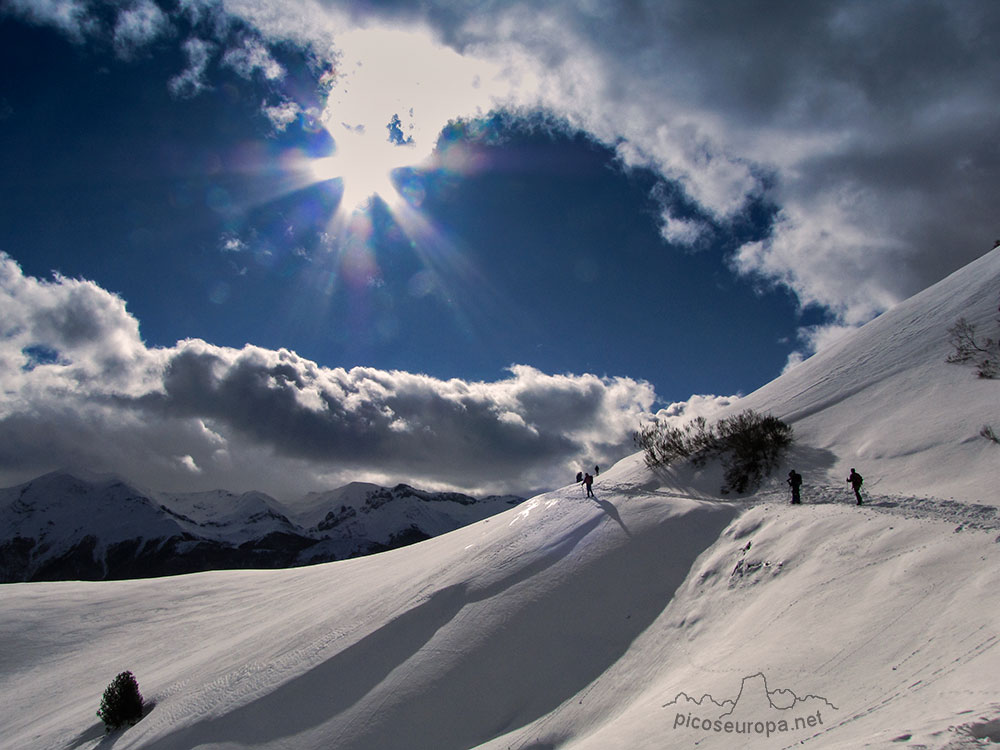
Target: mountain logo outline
<point>767,692</point>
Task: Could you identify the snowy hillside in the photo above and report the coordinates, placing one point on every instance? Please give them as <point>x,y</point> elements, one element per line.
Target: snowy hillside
<point>885,398</point>
<point>653,616</point>
<point>65,527</point>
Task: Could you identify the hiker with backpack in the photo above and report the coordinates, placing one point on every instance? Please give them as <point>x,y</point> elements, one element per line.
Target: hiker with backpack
<point>795,482</point>
<point>856,479</point>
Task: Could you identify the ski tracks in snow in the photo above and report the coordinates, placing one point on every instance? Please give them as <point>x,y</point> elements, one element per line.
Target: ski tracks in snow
<point>965,516</point>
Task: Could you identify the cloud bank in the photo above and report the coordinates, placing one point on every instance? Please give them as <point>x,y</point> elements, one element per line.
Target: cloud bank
<point>81,390</point>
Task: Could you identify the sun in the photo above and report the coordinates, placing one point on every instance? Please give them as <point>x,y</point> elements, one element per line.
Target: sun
<point>364,162</point>
<point>390,94</point>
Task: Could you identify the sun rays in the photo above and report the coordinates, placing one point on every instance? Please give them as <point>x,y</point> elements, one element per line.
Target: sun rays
<point>343,208</point>
<point>364,163</point>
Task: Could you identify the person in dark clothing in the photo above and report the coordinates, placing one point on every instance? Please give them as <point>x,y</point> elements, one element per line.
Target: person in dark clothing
<point>856,479</point>
<point>579,477</point>
<point>597,470</point>
<point>795,482</point>
<point>588,481</point>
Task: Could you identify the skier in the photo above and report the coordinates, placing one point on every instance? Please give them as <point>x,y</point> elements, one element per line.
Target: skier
<point>597,470</point>
<point>856,479</point>
<point>579,477</point>
<point>795,482</point>
<point>588,481</point>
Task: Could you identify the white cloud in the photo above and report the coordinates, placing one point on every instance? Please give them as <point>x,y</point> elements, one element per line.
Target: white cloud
<point>814,339</point>
<point>72,17</point>
<point>232,243</point>
<point>252,57</point>
<point>387,72</point>
<point>191,81</point>
<point>282,115</point>
<point>681,231</point>
<point>680,413</point>
<point>137,25</point>
<point>200,416</point>
<point>831,261</point>
<point>87,332</point>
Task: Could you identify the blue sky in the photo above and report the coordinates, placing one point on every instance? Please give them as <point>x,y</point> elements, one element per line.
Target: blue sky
<point>578,222</point>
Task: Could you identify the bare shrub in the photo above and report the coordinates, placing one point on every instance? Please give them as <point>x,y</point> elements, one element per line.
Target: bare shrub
<point>983,353</point>
<point>749,444</point>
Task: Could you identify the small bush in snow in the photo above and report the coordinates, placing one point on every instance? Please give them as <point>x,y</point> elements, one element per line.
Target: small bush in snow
<point>752,448</point>
<point>664,444</point>
<point>749,444</point>
<point>121,703</point>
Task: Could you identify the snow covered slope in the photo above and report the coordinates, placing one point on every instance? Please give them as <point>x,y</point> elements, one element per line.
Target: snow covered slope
<point>884,399</point>
<point>827,626</point>
<point>564,623</point>
<point>462,636</point>
<point>653,616</point>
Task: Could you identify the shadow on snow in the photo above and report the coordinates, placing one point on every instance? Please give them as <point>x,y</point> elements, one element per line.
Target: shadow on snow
<point>515,661</point>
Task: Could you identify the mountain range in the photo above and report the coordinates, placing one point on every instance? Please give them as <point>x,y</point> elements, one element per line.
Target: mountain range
<point>64,526</point>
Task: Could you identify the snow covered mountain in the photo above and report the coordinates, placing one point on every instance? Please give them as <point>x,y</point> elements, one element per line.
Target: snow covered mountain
<point>658,614</point>
<point>65,527</point>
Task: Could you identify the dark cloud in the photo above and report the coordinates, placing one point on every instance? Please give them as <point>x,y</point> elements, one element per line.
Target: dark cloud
<point>395,422</point>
